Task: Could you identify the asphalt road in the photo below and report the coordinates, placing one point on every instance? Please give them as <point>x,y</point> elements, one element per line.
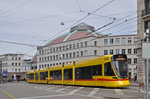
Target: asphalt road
<point>23,90</point>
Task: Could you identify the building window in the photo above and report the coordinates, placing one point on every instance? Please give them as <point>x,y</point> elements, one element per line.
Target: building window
<point>63,48</point>
<point>123,51</point>
<point>63,56</point>
<point>117,41</point>
<point>95,43</point>
<point>129,51</point>
<point>129,40</point>
<point>135,60</point>
<point>135,51</point>
<point>77,54</point>
<point>111,40</point>
<point>111,51</point>
<point>15,64</point>
<point>135,40</point>
<point>105,41</point>
<point>95,52</point>
<point>56,49</point>
<point>117,51</point>
<point>81,44</point>
<point>56,57</point>
<point>70,55</point>
<point>66,47</point>
<point>47,58</point>
<point>74,46</point>
<point>66,55</point>
<point>19,64</point>
<point>74,54</point>
<point>53,49</point>
<point>85,53</point>
<point>70,46</point>
<point>77,45</point>
<point>123,40</point>
<point>105,52</point>
<point>129,60</point>
<point>85,43</point>
<point>19,58</point>
<point>59,48</point>
<point>81,53</point>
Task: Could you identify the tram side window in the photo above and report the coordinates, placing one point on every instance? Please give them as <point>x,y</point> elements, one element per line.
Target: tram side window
<point>31,76</point>
<point>80,73</point>
<point>43,75</point>
<point>97,70</point>
<point>83,73</point>
<point>27,75</point>
<point>68,74</point>
<point>36,76</point>
<point>108,69</point>
<point>88,72</point>
<point>56,75</point>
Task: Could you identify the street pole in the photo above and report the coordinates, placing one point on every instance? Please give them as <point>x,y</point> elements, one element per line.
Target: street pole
<point>1,76</point>
<point>147,78</point>
<point>146,56</point>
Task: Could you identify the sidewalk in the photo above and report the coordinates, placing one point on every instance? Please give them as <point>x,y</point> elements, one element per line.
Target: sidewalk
<point>132,83</point>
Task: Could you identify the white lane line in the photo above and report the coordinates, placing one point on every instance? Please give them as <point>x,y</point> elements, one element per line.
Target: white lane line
<point>63,88</point>
<point>72,92</point>
<point>43,96</point>
<point>50,88</point>
<point>118,92</point>
<point>93,92</point>
<point>88,96</point>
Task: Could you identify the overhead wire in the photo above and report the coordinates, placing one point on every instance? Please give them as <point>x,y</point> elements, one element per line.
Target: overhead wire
<point>76,22</point>
<point>119,24</point>
<point>81,19</point>
<point>12,9</point>
<point>8,5</point>
<point>18,43</point>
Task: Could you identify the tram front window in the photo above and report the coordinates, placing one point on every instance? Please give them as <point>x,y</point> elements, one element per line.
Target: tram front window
<point>120,66</point>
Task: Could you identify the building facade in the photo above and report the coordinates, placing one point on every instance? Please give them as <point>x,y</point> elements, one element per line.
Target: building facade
<point>83,43</point>
<point>143,24</point>
<point>12,66</point>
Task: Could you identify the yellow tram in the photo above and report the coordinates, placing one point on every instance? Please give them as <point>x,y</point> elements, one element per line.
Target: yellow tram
<point>106,71</point>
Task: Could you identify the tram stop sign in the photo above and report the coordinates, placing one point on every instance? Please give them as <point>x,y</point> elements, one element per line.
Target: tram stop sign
<point>145,50</point>
<point>5,73</point>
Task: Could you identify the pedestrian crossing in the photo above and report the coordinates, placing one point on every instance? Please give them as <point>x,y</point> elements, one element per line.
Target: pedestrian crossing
<point>87,91</point>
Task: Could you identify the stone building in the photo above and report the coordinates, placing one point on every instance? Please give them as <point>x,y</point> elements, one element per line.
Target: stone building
<point>82,42</point>
<point>143,24</point>
<point>12,66</point>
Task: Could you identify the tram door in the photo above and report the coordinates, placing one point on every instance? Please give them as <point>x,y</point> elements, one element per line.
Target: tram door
<point>68,76</point>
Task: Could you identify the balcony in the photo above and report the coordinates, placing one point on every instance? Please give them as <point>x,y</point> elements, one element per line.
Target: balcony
<point>145,12</point>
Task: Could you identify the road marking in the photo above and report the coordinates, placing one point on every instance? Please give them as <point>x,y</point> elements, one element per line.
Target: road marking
<point>62,89</point>
<point>50,88</point>
<point>93,92</point>
<point>72,92</point>
<point>43,96</point>
<point>118,92</point>
<point>9,94</point>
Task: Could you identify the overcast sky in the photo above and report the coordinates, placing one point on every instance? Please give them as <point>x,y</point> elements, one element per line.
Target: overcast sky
<point>35,21</point>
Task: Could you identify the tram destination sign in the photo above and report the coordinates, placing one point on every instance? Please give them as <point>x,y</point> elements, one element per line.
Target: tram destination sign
<point>146,50</point>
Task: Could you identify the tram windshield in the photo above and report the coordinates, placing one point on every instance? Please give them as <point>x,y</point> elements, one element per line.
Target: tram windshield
<point>120,65</point>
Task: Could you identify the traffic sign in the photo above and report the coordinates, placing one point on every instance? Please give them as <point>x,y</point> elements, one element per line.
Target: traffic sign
<point>5,73</point>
